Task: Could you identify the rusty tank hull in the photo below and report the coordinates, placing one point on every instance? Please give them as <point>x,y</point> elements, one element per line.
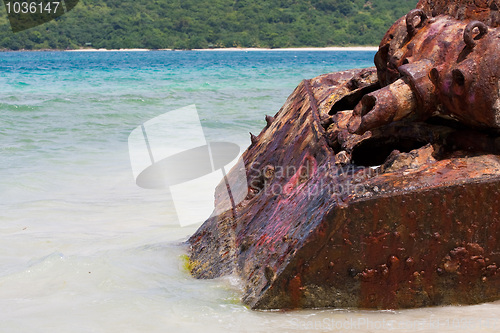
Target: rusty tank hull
<point>396,210</point>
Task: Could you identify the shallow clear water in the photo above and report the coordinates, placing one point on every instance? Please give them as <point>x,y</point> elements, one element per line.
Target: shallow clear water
<point>86,250</point>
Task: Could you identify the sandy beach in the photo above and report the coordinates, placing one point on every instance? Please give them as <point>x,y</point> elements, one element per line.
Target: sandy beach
<point>106,50</point>
<point>331,48</point>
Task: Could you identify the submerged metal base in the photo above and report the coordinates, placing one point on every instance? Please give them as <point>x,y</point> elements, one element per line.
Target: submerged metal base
<point>326,226</point>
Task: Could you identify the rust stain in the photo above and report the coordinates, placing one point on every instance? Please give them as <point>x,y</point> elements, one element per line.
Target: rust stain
<point>377,188</point>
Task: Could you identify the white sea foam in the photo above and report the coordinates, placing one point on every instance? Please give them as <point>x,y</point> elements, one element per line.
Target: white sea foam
<point>86,250</point>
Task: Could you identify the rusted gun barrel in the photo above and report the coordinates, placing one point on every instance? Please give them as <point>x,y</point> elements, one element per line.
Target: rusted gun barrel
<point>435,66</point>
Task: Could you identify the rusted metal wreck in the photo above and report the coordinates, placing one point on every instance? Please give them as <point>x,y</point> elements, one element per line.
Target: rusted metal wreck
<point>377,188</point>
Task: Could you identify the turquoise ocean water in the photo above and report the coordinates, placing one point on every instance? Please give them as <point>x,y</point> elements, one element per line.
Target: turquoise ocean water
<point>83,249</point>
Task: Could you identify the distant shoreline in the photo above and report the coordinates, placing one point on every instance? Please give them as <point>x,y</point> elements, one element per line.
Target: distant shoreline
<point>332,48</point>
<point>229,49</point>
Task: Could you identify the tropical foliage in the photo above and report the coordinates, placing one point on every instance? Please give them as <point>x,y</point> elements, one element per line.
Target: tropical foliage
<point>188,24</point>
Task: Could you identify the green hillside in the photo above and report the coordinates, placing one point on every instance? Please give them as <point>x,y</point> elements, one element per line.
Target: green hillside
<point>188,24</point>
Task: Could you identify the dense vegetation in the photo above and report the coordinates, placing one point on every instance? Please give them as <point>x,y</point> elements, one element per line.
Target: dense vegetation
<point>187,24</point>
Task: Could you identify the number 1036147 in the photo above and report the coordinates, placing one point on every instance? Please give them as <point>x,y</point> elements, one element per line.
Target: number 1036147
<point>24,7</point>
